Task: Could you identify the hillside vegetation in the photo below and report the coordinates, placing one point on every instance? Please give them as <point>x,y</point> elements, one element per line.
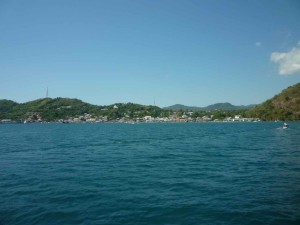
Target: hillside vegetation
<point>284,106</point>
<point>62,108</point>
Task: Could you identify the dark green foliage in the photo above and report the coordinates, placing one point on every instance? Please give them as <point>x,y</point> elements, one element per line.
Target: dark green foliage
<point>6,108</point>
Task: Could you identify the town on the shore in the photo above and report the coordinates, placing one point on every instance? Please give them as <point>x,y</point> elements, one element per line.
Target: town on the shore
<point>181,117</point>
<point>87,118</point>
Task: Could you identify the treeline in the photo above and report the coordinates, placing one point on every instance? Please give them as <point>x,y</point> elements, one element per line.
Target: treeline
<point>284,106</point>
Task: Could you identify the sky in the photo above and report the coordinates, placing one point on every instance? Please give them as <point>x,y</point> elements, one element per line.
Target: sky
<point>191,52</point>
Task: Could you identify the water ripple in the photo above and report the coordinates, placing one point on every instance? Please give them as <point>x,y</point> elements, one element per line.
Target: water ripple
<point>206,173</point>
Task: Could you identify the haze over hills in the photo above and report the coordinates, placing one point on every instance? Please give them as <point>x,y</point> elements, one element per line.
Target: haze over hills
<point>217,106</point>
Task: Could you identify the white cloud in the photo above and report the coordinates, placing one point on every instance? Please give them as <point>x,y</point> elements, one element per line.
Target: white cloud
<point>258,44</point>
<point>289,62</point>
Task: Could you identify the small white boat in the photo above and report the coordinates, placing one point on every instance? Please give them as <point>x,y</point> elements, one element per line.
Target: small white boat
<point>285,126</point>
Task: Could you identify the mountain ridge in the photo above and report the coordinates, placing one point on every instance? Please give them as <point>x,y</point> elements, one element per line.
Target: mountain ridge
<point>216,106</point>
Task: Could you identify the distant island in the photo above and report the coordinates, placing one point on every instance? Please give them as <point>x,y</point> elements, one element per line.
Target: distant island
<point>284,106</point>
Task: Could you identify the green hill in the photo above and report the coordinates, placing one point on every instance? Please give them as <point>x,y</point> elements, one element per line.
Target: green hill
<point>284,106</point>
<point>6,106</point>
<point>62,108</point>
<point>47,108</point>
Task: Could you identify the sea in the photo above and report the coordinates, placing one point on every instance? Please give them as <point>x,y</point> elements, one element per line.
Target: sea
<point>150,174</point>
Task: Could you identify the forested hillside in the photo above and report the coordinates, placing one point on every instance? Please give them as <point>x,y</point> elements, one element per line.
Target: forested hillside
<point>284,106</point>
<point>62,108</point>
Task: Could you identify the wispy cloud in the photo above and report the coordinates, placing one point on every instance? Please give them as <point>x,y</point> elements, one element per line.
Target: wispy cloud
<point>258,44</point>
<point>288,62</point>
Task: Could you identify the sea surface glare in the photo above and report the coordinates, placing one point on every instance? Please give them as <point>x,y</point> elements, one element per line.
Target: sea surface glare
<point>140,174</point>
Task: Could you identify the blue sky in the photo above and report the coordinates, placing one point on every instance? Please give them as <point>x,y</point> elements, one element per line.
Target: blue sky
<point>192,52</point>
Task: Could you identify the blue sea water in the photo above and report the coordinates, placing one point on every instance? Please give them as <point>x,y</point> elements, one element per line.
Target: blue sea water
<point>140,174</point>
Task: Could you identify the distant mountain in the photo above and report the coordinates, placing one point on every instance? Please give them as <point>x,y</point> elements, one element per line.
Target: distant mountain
<point>226,106</point>
<point>284,106</point>
<point>217,106</point>
<point>46,107</point>
<point>178,107</point>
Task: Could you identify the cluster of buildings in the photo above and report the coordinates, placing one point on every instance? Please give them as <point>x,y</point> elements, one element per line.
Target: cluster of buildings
<point>236,118</point>
<point>88,118</point>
